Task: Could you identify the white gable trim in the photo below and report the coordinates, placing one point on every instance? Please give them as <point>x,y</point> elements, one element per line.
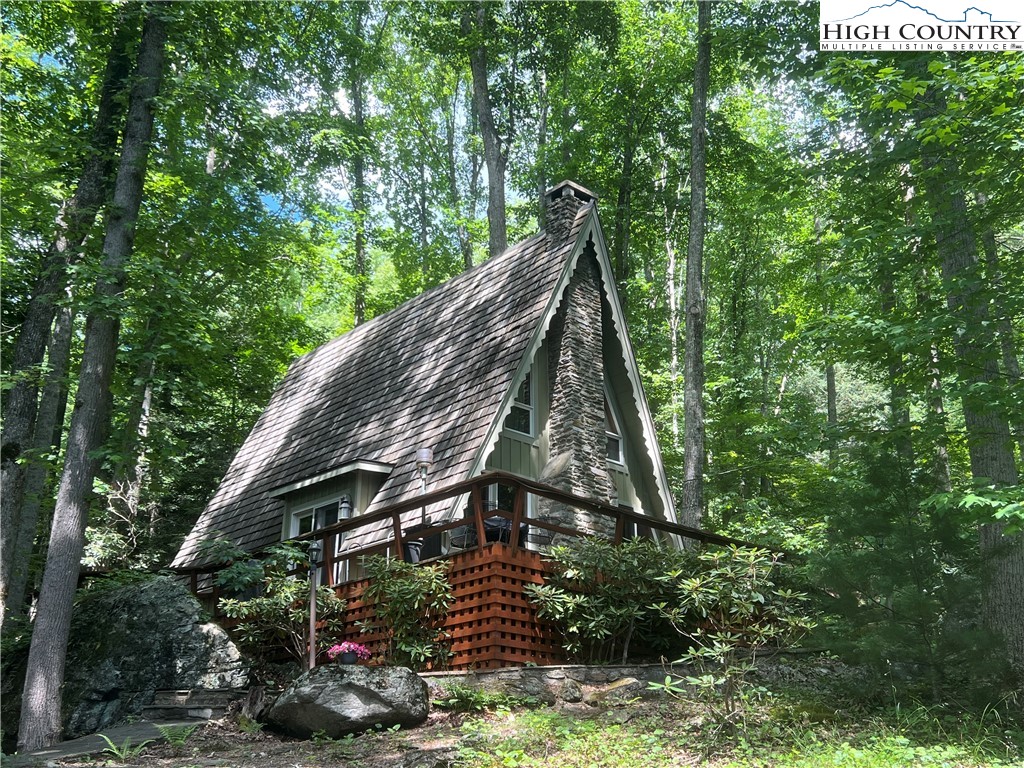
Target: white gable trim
<point>355,466</point>
<point>633,373</point>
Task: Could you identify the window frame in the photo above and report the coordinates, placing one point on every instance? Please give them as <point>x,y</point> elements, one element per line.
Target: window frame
<point>612,416</point>
<point>530,406</point>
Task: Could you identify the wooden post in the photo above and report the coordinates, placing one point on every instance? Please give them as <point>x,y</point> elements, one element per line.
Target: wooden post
<point>620,528</point>
<point>518,505</point>
<point>194,581</point>
<point>478,514</point>
<point>330,544</point>
<point>396,523</point>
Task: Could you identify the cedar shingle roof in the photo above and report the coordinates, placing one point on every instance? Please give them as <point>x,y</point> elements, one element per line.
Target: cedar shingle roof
<point>432,372</point>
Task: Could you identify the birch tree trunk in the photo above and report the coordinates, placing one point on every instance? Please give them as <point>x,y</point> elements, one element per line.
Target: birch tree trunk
<point>474,29</point>
<point>41,700</point>
<point>76,218</point>
<point>693,393</point>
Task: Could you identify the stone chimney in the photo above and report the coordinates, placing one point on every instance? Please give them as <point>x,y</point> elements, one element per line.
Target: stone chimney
<point>577,443</point>
<point>563,202</point>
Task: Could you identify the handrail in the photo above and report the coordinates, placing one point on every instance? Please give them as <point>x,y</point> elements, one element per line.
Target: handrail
<point>473,487</point>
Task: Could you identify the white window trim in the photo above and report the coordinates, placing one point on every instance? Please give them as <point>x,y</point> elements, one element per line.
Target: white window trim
<point>530,408</point>
<point>302,511</point>
<point>617,423</point>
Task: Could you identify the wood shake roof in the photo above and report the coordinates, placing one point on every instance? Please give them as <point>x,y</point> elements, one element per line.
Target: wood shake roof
<point>431,373</point>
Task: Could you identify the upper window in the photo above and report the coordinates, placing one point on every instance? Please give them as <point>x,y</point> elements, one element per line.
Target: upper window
<point>613,435</point>
<point>520,418</point>
<point>317,517</point>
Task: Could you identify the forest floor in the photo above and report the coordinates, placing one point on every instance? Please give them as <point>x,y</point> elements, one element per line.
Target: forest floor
<point>784,730</point>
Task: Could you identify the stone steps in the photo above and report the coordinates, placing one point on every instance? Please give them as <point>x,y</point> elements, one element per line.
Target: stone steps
<point>195,704</point>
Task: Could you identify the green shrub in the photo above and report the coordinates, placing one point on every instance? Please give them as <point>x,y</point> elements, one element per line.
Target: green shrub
<point>410,604</point>
<point>729,608</point>
<point>279,616</point>
<point>600,596</point>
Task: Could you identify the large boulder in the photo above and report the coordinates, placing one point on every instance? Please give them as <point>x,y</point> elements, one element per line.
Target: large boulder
<point>338,699</point>
<point>129,640</point>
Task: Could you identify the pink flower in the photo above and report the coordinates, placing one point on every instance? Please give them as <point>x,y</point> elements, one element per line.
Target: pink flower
<point>361,651</point>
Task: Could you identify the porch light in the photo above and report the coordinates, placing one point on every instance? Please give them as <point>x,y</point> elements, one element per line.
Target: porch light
<point>314,550</point>
<point>345,508</point>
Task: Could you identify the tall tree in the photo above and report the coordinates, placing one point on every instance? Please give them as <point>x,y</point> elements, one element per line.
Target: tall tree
<point>475,30</point>
<point>74,221</point>
<point>693,355</point>
<point>40,724</point>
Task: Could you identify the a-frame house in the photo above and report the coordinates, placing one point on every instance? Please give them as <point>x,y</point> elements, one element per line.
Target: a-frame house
<point>521,365</point>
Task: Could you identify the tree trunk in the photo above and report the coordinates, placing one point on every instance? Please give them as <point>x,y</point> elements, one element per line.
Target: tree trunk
<point>41,701</point>
<point>693,394</point>
<point>1004,327</point>
<point>76,218</point>
<point>899,408</point>
<point>359,197</point>
<point>465,246</point>
<point>47,437</point>
<point>474,28</point>
<point>620,242</point>
<point>542,143</point>
<point>988,434</point>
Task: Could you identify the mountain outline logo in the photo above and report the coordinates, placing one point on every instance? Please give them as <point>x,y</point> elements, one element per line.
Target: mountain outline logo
<point>911,6</point>
<point>920,25</point>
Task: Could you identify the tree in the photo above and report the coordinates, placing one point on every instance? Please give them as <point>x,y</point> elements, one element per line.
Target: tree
<point>41,704</point>
<point>74,221</point>
<point>693,355</point>
<point>475,30</point>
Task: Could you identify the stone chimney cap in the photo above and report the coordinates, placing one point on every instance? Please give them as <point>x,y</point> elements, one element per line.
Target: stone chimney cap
<point>567,187</point>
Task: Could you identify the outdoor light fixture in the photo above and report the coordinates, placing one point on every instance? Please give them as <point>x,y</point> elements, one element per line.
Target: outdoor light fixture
<point>345,508</point>
<point>424,458</point>
<point>314,550</point>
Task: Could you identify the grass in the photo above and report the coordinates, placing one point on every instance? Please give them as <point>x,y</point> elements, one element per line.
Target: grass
<point>781,734</point>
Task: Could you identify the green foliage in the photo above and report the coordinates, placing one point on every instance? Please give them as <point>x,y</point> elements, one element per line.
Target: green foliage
<point>599,596</point>
<point>902,582</point>
<point>125,751</point>
<point>460,697</point>
<point>730,608</point>
<point>279,616</point>
<point>176,735</point>
<point>410,603</point>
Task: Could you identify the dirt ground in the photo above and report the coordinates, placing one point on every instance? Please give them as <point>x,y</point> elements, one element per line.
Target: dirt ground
<point>221,743</point>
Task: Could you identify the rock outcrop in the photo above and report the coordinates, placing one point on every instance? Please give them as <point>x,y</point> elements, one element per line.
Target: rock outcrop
<point>130,640</point>
<point>338,699</point>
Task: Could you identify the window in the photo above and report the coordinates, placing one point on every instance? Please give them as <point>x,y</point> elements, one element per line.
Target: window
<point>520,419</point>
<point>321,515</point>
<point>613,435</point>
<point>315,518</point>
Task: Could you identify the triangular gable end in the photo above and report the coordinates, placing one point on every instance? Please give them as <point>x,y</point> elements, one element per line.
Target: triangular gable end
<point>589,231</point>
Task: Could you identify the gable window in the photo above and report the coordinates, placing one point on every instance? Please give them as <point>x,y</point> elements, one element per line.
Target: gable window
<point>520,418</point>
<point>612,434</point>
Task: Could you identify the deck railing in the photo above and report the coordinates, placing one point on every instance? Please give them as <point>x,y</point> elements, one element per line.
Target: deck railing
<point>477,529</point>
